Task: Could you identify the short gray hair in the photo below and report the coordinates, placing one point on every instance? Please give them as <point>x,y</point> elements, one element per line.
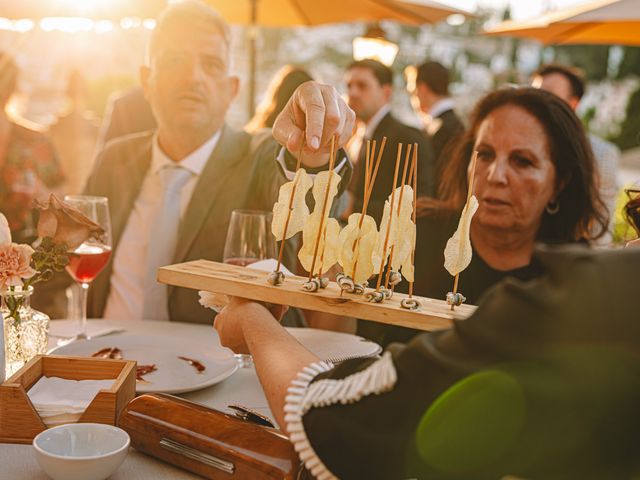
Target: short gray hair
<point>190,12</point>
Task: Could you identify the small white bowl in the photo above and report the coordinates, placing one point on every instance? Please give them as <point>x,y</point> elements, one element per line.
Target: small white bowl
<point>81,451</point>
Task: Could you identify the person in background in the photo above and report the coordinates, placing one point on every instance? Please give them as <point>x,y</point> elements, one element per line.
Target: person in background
<point>568,84</point>
<point>29,167</point>
<point>127,112</point>
<point>74,135</point>
<point>282,86</point>
<point>428,85</point>
<point>172,191</point>
<point>369,89</point>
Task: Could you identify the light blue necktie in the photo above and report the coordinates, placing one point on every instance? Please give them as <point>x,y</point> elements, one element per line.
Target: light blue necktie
<point>162,241</point>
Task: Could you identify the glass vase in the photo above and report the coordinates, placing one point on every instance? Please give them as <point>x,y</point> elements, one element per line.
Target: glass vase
<point>25,329</point>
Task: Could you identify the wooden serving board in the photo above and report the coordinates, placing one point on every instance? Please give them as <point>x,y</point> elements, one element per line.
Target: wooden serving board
<point>252,284</point>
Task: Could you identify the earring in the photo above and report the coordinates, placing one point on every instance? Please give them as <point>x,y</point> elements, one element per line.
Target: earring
<point>553,207</point>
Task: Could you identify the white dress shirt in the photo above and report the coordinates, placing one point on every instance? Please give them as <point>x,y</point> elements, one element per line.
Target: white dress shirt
<point>125,301</point>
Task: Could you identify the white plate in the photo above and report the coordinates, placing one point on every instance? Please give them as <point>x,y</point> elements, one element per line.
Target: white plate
<point>335,346</point>
<point>173,375</point>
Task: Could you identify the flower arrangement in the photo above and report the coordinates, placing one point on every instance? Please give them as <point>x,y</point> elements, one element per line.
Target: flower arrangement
<point>61,229</point>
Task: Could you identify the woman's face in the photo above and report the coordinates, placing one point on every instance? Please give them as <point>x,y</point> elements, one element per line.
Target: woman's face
<point>515,177</point>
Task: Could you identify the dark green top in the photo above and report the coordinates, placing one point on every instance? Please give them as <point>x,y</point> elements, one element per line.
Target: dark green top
<point>541,382</point>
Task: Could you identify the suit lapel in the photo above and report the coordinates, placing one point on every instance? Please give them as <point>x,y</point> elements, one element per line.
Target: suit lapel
<point>229,151</point>
<point>132,175</point>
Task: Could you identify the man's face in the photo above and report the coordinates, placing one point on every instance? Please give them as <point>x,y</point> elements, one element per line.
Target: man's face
<point>187,83</point>
<point>557,84</point>
<point>366,95</point>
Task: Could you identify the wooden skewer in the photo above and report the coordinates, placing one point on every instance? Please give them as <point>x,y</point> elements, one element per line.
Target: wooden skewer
<point>332,158</point>
<point>367,171</point>
<point>365,203</point>
<point>415,208</point>
<point>404,178</point>
<point>286,223</point>
<point>474,159</point>
<point>386,240</point>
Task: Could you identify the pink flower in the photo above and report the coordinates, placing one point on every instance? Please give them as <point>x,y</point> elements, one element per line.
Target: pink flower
<point>15,265</point>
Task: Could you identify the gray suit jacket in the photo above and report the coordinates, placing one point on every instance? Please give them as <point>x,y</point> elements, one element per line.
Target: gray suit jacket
<point>241,173</point>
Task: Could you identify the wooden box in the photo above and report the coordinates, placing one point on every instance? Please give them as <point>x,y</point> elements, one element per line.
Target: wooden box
<point>19,421</point>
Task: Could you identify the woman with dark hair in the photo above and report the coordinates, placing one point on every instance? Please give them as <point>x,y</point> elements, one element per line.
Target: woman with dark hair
<point>28,164</point>
<point>535,181</point>
<point>278,94</point>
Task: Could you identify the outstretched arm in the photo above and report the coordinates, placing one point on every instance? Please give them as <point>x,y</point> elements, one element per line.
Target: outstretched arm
<point>246,326</point>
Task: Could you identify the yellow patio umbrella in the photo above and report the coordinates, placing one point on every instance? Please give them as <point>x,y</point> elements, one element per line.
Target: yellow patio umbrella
<point>289,13</point>
<point>615,22</point>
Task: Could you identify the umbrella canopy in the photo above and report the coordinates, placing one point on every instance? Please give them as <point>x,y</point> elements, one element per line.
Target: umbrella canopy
<point>94,9</point>
<point>284,13</point>
<point>615,22</point>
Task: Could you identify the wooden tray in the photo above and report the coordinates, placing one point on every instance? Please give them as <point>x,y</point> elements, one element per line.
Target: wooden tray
<point>252,284</point>
<point>19,421</point>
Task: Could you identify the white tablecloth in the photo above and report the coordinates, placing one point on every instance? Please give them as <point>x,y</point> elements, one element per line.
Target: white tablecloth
<point>18,462</point>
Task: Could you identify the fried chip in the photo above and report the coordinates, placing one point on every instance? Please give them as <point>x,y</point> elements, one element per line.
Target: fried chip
<point>458,252</point>
<point>328,247</point>
<point>299,209</point>
<point>368,235</point>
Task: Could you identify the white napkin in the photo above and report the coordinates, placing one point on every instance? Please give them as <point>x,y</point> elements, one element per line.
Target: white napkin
<point>58,400</point>
<point>217,301</point>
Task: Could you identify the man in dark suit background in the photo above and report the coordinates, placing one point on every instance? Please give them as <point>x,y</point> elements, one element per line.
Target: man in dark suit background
<point>171,191</point>
<point>369,88</point>
<point>428,85</point>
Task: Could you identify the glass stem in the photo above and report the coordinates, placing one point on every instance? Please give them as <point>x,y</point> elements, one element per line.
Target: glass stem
<point>83,309</point>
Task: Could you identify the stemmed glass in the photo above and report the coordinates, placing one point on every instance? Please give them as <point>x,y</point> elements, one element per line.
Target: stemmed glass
<point>88,260</point>
<point>249,239</point>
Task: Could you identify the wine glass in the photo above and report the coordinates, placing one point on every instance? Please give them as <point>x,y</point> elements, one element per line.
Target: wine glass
<point>88,260</point>
<point>249,239</point>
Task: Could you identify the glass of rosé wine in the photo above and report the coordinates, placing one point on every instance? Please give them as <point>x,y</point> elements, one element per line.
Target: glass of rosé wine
<point>90,258</point>
<point>249,240</point>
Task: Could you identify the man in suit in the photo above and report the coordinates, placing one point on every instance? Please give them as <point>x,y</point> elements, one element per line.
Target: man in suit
<point>428,85</point>
<point>370,87</point>
<point>172,191</point>
<point>568,84</point>
<point>127,112</point>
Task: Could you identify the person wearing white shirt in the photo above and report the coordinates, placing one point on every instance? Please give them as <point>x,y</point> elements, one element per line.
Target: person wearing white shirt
<point>369,89</point>
<point>171,191</point>
<point>428,85</point>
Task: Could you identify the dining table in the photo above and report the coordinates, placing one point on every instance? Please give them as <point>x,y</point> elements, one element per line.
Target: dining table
<point>18,462</point>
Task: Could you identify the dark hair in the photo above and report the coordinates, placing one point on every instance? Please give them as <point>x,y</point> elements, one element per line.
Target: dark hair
<point>573,76</point>
<point>8,77</point>
<point>435,76</point>
<point>282,86</point>
<point>582,215</point>
<point>383,74</point>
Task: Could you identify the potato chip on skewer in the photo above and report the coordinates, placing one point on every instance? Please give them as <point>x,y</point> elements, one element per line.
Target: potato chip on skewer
<point>302,182</point>
<point>458,252</point>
